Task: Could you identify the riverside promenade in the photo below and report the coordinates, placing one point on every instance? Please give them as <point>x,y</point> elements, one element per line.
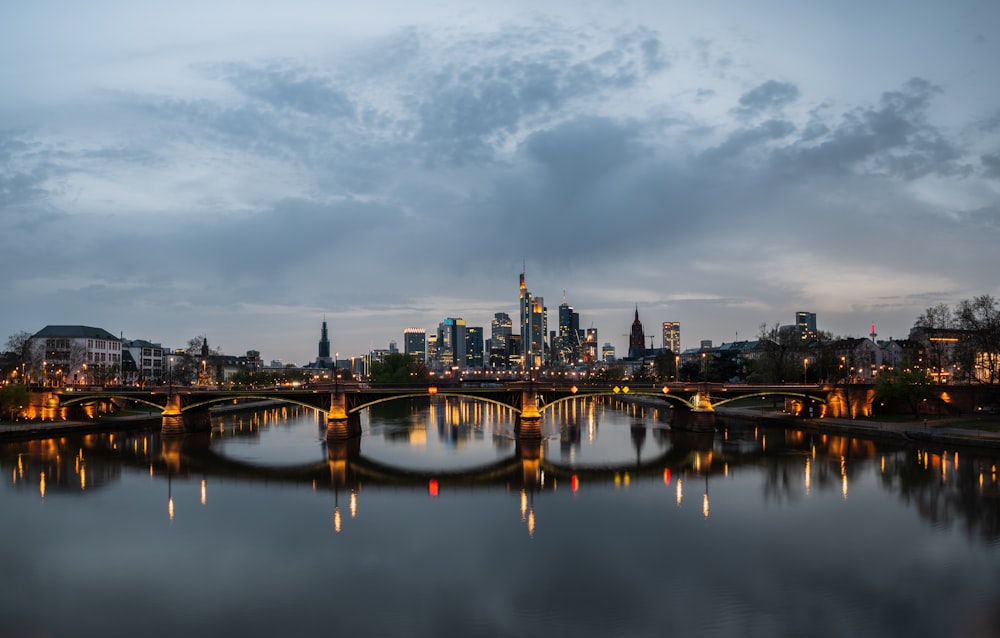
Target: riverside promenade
<point>942,431</point>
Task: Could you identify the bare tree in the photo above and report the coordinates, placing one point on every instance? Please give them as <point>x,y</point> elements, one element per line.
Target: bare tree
<point>981,317</point>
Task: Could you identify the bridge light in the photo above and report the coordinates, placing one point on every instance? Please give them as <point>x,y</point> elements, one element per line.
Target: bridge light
<point>432,390</point>
<point>666,390</point>
<point>573,389</point>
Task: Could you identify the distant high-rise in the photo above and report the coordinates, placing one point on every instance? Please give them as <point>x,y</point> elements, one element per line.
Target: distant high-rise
<point>324,359</point>
<point>451,343</point>
<point>474,346</point>
<point>608,353</point>
<point>415,343</point>
<point>590,346</point>
<point>534,327</point>
<point>805,325</point>
<point>567,342</point>
<point>500,334</point>
<point>672,336</point>
<point>637,339</point>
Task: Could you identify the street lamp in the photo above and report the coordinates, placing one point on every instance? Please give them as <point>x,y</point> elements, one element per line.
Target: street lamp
<point>805,370</point>
<point>170,374</point>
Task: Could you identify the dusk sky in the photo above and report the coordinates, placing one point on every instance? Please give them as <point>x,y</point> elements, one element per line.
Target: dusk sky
<point>244,169</point>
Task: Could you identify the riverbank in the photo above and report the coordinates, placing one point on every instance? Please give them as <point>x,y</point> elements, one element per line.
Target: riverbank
<point>945,432</point>
<point>27,430</point>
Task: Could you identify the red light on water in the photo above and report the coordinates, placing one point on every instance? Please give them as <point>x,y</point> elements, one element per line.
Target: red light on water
<point>432,487</point>
<point>575,482</point>
<point>666,476</point>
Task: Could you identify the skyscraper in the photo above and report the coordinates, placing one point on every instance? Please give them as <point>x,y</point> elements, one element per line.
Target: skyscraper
<point>500,333</point>
<point>567,341</point>
<point>672,336</point>
<point>474,346</point>
<point>533,327</point>
<point>415,343</point>
<point>805,324</point>
<point>451,345</point>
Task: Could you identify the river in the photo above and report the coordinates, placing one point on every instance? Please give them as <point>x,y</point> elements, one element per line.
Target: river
<point>438,522</point>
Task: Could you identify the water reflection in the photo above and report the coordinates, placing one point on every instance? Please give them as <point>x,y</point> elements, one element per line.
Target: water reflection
<point>446,444</point>
<point>436,521</point>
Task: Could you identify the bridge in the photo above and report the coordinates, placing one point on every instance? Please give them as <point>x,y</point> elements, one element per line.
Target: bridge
<point>187,409</point>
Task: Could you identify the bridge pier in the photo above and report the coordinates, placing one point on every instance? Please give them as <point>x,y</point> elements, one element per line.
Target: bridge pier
<point>343,429</point>
<point>529,450</point>
<point>693,420</point>
<point>529,421</point>
<point>339,454</point>
<point>177,421</point>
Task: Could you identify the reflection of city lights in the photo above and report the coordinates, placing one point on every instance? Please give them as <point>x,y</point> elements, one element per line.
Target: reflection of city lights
<point>843,477</point>
<point>524,505</point>
<point>704,505</point>
<point>354,504</point>
<point>808,475</point>
<point>531,523</point>
<point>432,487</point>
<point>680,492</point>
<point>83,478</point>
<point>666,476</point>
<point>41,484</point>
<point>336,520</point>
<point>204,492</point>
<point>574,482</point>
<point>170,508</point>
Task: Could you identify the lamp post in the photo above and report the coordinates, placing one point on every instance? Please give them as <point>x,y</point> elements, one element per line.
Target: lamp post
<point>336,375</point>
<point>170,374</point>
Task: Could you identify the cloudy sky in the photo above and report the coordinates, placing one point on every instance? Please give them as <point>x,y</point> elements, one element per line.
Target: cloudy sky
<point>244,169</point>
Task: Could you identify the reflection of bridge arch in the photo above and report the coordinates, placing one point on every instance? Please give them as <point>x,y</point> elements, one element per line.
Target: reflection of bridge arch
<point>565,397</point>
<point>508,400</point>
<point>68,400</point>
<point>773,393</point>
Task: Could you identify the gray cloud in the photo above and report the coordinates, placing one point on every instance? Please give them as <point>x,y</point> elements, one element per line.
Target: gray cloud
<point>404,174</point>
<point>769,97</point>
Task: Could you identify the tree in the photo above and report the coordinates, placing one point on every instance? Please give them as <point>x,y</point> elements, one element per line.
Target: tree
<point>17,344</point>
<point>12,399</point>
<point>908,385</point>
<point>981,318</point>
<point>777,362</point>
<point>395,367</point>
<point>665,365</point>
<point>939,316</point>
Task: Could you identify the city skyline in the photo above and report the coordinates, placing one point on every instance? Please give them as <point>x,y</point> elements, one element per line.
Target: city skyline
<point>175,170</point>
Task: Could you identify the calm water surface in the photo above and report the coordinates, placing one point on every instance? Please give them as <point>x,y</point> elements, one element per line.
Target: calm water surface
<point>436,522</point>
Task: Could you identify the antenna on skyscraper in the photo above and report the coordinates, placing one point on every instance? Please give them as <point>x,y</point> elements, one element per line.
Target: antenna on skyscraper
<point>564,295</point>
